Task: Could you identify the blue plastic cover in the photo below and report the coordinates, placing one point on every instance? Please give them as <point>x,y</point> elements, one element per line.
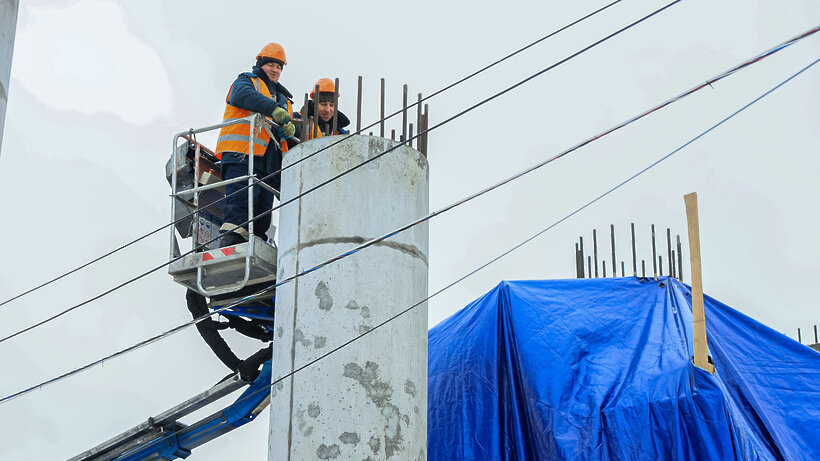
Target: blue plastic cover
<point>600,369</point>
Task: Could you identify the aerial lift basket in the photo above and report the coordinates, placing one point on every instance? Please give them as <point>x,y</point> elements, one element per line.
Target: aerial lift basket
<point>195,185</point>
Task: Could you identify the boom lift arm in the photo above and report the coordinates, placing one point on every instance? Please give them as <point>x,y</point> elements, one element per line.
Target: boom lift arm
<point>164,437</point>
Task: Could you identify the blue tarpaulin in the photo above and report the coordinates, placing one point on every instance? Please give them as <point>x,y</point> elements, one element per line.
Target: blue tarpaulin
<point>601,369</point>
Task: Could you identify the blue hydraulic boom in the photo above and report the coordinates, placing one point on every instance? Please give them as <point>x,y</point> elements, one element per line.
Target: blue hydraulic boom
<point>232,281</point>
<point>164,437</point>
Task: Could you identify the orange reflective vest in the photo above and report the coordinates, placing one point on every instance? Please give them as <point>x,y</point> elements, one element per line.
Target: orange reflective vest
<point>315,132</point>
<point>312,132</point>
<point>236,138</point>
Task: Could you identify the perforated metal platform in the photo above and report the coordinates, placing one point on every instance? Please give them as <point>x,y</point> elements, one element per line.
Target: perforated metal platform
<point>224,267</point>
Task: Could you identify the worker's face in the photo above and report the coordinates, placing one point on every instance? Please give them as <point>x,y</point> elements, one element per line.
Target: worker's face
<point>326,109</point>
<point>272,70</point>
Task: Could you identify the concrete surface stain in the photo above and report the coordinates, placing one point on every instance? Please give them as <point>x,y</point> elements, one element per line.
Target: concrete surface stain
<point>380,393</point>
<point>299,337</point>
<point>323,294</point>
<point>352,305</point>
<point>375,444</point>
<point>328,452</point>
<point>349,438</point>
<point>314,410</point>
<point>410,388</point>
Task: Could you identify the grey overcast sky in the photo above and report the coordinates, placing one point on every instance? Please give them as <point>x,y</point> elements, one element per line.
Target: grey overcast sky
<point>98,89</point>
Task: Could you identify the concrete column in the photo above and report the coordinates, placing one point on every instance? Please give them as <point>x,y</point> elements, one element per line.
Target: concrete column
<point>8,27</point>
<point>369,399</point>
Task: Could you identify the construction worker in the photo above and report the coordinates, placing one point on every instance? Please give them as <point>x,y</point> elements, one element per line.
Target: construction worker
<point>255,91</point>
<point>326,110</point>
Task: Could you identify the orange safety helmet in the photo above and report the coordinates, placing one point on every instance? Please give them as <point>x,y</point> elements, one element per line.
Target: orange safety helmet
<point>273,51</point>
<point>326,85</point>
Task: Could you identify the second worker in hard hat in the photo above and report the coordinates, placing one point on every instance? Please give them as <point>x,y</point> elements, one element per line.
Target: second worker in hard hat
<point>323,124</point>
<point>256,91</point>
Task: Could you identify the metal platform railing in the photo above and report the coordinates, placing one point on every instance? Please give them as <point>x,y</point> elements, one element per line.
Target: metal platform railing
<point>256,265</point>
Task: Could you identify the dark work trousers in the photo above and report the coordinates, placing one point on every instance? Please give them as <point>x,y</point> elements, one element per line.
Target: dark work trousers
<point>235,165</point>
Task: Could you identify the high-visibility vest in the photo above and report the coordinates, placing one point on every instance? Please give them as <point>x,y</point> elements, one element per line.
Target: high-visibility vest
<point>315,132</point>
<point>312,132</point>
<point>236,138</point>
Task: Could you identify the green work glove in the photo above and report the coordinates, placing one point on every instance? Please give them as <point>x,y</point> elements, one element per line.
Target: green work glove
<point>280,116</point>
<point>287,130</point>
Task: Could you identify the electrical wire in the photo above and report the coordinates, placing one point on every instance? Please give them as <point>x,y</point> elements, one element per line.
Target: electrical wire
<point>354,168</point>
<point>371,242</point>
<point>518,245</point>
<point>194,213</point>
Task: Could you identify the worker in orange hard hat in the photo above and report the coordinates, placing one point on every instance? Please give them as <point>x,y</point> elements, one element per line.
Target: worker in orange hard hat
<point>323,123</point>
<point>256,91</point>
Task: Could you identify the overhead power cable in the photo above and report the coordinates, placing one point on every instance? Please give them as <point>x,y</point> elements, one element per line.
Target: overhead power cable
<point>436,93</point>
<point>518,245</point>
<point>354,168</point>
<point>267,289</point>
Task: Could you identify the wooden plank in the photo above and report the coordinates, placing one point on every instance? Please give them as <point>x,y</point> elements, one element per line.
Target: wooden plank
<point>698,312</point>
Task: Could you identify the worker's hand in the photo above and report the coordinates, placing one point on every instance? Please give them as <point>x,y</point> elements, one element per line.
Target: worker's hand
<point>287,131</point>
<point>280,116</point>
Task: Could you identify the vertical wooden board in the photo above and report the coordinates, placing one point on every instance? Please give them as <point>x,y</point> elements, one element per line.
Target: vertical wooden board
<point>698,312</point>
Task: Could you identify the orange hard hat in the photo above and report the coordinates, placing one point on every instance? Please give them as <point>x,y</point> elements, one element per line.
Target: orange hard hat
<point>325,85</point>
<point>273,51</point>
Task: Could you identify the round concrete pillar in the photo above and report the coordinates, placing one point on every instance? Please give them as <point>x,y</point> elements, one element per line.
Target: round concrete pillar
<point>369,399</point>
<point>8,27</point>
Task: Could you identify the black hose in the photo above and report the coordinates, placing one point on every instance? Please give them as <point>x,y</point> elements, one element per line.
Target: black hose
<point>209,330</point>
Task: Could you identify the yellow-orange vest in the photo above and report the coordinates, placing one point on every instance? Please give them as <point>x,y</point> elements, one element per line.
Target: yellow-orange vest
<point>314,132</point>
<point>236,138</point>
